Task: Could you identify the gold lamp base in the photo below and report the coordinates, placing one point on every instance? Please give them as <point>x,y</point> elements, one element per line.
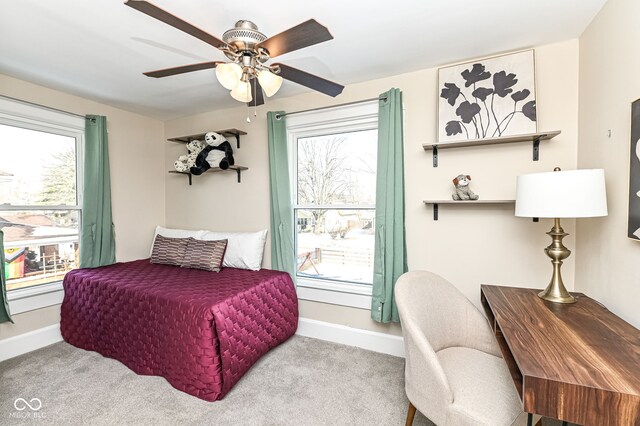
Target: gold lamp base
<point>555,291</point>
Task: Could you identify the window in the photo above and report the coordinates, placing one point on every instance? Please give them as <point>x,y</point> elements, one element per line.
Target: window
<point>333,163</point>
<point>40,197</point>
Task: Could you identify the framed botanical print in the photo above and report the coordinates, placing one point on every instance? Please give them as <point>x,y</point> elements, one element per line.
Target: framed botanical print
<point>634,173</point>
<point>487,98</point>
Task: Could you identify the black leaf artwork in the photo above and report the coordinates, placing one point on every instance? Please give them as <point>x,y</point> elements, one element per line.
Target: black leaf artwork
<point>450,93</point>
<point>529,110</point>
<point>488,110</point>
<point>475,74</point>
<point>520,95</point>
<point>466,111</point>
<point>453,128</point>
<point>502,83</point>
<point>482,93</point>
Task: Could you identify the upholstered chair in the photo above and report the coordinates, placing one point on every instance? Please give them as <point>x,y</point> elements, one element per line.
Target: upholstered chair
<point>454,372</point>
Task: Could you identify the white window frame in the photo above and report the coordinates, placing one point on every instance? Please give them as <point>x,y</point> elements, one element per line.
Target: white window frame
<point>28,116</point>
<point>341,119</point>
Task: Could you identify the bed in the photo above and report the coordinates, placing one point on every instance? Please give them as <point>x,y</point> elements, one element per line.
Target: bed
<point>200,330</point>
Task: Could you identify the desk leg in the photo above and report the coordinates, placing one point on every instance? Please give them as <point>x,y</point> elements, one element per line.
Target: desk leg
<point>529,419</point>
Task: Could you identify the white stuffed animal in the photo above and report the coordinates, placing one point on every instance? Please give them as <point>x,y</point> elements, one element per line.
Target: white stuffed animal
<point>463,192</point>
<point>185,162</point>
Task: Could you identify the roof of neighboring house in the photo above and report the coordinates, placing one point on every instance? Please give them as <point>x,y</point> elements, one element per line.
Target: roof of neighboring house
<point>21,226</point>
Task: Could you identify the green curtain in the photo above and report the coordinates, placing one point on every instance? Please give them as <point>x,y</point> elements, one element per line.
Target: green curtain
<point>97,241</point>
<point>390,254</point>
<point>5,315</point>
<point>282,251</point>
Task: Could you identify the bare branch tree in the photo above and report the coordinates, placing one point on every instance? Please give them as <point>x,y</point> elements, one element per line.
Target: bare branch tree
<point>323,174</point>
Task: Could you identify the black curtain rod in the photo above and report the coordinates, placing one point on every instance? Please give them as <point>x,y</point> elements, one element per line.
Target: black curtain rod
<point>278,116</point>
<point>42,106</point>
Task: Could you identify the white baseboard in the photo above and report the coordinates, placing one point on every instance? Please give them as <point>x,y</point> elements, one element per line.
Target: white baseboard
<point>378,342</point>
<point>27,342</point>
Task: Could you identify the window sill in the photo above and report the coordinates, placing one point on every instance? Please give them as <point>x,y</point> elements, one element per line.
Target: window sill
<point>342,294</point>
<point>30,299</point>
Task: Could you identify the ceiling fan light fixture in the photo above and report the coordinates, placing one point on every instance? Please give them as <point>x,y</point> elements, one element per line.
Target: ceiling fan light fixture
<point>229,75</point>
<point>242,92</point>
<point>248,51</point>
<point>270,82</point>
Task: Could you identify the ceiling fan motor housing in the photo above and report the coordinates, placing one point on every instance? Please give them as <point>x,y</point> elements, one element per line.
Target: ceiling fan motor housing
<point>244,36</point>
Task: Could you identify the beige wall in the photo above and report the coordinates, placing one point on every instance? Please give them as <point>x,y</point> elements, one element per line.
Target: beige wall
<point>607,267</point>
<point>136,150</point>
<point>29,321</point>
<point>470,245</point>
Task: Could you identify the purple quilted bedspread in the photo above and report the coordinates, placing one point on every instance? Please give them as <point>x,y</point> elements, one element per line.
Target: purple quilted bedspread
<point>200,330</point>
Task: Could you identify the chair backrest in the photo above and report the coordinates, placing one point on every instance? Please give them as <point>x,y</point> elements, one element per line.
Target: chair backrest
<point>440,310</point>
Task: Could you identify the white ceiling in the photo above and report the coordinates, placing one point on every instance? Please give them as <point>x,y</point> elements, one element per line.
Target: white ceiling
<point>98,49</point>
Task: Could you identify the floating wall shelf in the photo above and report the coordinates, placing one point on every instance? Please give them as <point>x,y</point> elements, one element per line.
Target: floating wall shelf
<point>530,137</point>
<point>237,169</point>
<point>436,203</point>
<point>227,133</point>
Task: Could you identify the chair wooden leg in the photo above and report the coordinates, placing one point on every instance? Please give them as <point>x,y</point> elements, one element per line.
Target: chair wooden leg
<point>410,414</point>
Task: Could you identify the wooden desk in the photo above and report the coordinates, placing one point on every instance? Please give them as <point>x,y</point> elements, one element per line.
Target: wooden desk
<point>577,362</point>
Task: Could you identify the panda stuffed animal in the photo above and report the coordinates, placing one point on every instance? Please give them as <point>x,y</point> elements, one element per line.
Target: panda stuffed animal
<point>216,153</point>
<point>185,162</point>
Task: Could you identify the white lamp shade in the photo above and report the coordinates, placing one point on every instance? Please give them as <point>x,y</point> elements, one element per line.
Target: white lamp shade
<point>270,82</point>
<point>242,92</point>
<point>562,194</point>
<point>229,75</point>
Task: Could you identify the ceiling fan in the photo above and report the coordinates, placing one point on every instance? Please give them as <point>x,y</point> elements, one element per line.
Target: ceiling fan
<point>248,75</point>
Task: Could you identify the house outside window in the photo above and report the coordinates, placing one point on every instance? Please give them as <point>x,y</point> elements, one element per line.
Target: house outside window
<point>40,200</point>
<point>333,156</point>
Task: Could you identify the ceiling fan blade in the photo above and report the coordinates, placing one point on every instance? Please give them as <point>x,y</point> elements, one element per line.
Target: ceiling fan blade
<point>182,69</point>
<point>306,34</point>
<point>311,81</point>
<point>256,93</point>
<point>166,17</point>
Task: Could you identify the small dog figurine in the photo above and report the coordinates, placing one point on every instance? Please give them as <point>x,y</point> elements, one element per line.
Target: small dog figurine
<point>463,192</point>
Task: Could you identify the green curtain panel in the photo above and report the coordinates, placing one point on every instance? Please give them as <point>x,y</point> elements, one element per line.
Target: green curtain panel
<point>5,314</point>
<point>390,254</point>
<point>282,251</point>
<point>97,241</point>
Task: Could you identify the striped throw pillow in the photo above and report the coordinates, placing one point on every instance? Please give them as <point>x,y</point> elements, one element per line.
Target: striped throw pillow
<point>169,251</point>
<point>207,255</point>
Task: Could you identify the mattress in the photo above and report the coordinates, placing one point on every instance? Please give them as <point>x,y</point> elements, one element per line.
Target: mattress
<point>200,330</point>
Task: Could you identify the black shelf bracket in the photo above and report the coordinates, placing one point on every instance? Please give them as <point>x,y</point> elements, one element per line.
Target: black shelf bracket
<point>189,174</point>
<point>237,136</point>
<point>536,149</point>
<point>435,157</point>
<point>435,210</point>
<point>239,172</point>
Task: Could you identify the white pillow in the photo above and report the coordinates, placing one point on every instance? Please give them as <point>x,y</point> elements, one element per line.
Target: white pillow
<point>175,233</point>
<point>244,249</point>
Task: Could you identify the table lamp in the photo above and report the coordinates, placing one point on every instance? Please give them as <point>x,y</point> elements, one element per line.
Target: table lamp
<point>556,195</point>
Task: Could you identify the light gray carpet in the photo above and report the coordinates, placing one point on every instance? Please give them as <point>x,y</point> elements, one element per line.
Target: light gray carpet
<point>302,382</point>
